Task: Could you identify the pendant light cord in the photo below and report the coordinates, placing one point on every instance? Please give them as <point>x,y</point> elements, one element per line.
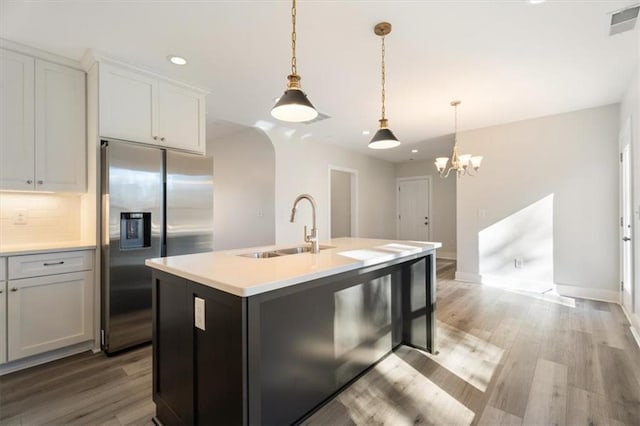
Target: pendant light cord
<point>383,78</point>
<point>294,68</point>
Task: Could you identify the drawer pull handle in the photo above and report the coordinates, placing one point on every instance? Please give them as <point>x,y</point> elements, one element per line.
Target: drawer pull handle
<point>14,289</point>
<point>54,263</point>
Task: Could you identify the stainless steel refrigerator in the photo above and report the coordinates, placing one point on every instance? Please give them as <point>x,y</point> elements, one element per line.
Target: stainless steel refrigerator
<point>155,202</point>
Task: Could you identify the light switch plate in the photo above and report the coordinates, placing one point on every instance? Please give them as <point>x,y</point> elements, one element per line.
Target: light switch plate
<point>198,305</point>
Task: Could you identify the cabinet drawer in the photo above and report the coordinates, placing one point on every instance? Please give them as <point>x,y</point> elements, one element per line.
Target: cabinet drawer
<point>35,265</point>
<point>3,268</point>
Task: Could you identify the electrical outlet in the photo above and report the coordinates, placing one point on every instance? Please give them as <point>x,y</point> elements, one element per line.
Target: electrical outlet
<point>518,262</point>
<point>198,312</point>
<point>20,216</point>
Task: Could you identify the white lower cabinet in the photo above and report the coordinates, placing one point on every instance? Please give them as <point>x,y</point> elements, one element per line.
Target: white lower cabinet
<point>46,304</point>
<point>3,322</point>
<point>50,312</point>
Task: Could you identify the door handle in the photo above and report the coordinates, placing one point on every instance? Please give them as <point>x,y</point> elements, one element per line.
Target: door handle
<point>625,239</point>
<point>14,289</point>
<point>54,263</point>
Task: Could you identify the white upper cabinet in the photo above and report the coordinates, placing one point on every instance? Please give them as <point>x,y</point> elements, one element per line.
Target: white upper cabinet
<point>16,121</point>
<point>141,107</point>
<point>42,122</point>
<point>60,128</point>
<point>181,117</point>
<point>127,104</point>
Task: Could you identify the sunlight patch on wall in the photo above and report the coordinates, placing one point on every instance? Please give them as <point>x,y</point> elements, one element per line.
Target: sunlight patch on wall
<point>517,251</point>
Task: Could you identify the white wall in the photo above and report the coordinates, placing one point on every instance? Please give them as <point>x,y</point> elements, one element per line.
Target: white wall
<point>547,192</point>
<point>302,166</point>
<point>443,203</point>
<point>243,189</point>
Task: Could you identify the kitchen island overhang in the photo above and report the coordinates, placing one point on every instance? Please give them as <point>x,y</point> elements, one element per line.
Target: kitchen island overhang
<point>273,351</point>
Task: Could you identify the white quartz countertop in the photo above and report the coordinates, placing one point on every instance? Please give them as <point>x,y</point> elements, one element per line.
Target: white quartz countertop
<point>36,248</point>
<point>245,276</point>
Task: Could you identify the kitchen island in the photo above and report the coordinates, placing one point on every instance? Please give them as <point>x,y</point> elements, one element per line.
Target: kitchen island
<point>267,335</point>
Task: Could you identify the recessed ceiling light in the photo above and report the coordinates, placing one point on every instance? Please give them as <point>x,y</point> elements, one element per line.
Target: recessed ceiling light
<point>536,1</point>
<point>365,132</point>
<point>177,60</point>
<point>414,150</point>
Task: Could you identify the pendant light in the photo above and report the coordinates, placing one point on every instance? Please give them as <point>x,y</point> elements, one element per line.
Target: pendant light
<point>459,163</point>
<point>294,106</point>
<point>384,137</point>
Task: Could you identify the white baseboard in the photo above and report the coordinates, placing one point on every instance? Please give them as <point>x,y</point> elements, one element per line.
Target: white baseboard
<point>635,324</point>
<point>446,255</point>
<point>532,285</point>
<point>636,336</point>
<point>468,277</point>
<point>32,361</point>
<point>514,283</point>
<point>588,293</point>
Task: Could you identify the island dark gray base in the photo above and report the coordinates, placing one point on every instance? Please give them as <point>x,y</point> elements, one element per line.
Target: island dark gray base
<point>273,358</point>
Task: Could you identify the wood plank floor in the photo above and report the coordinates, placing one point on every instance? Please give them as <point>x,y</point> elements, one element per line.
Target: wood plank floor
<point>504,357</point>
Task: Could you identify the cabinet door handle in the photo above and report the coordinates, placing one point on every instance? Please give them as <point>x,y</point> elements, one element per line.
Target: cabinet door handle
<point>1,291</point>
<point>29,181</point>
<point>155,138</point>
<point>162,139</point>
<point>54,263</point>
<point>14,289</point>
<point>40,182</point>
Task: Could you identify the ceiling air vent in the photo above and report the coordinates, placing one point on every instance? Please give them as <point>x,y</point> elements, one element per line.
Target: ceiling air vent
<point>321,116</point>
<point>624,19</point>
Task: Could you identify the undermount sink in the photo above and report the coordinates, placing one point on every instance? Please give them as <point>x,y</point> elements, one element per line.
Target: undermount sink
<point>297,250</point>
<point>281,252</point>
<point>260,254</point>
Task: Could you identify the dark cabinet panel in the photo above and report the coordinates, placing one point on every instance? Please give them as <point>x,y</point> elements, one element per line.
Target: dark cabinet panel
<point>219,358</point>
<point>172,350</point>
<point>315,338</point>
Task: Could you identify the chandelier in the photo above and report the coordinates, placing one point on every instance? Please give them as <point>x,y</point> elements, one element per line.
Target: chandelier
<point>462,164</point>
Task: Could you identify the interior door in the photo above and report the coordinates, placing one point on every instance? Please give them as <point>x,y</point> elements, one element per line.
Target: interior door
<point>626,219</point>
<point>341,207</point>
<point>413,209</point>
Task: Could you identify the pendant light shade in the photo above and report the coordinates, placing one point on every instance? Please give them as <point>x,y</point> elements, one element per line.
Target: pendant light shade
<point>294,106</point>
<point>384,137</point>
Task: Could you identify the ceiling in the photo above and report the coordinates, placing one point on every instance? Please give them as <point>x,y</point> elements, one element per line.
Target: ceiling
<point>506,60</point>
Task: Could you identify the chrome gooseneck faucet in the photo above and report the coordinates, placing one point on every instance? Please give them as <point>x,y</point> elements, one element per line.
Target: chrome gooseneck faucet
<point>313,237</point>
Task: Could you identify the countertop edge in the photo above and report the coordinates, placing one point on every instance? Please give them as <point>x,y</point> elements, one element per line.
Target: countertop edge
<point>53,249</point>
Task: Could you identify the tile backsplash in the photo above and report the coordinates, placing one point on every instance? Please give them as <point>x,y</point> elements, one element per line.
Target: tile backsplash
<point>49,218</point>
